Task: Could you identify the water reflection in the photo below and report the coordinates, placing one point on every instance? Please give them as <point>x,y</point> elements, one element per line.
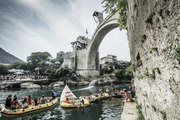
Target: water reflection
<point>109,109</point>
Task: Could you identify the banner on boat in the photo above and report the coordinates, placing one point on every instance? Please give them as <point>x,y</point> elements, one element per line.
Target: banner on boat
<point>67,93</point>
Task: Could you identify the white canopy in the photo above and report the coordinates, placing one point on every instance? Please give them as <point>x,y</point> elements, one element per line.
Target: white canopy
<point>67,93</point>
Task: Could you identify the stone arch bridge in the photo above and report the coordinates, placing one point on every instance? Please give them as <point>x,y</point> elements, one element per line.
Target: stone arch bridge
<point>87,60</point>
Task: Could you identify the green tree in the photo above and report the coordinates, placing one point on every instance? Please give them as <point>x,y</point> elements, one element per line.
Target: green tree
<point>3,69</point>
<point>120,74</point>
<point>18,65</point>
<point>125,74</point>
<point>177,53</point>
<point>63,72</point>
<point>121,5</point>
<point>129,72</point>
<point>38,59</point>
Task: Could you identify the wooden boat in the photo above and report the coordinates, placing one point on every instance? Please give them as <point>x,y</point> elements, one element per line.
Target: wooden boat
<point>67,99</point>
<point>31,109</point>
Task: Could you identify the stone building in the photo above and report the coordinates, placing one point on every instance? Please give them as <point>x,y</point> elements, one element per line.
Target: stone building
<point>80,43</point>
<point>69,60</point>
<point>108,59</point>
<point>60,55</point>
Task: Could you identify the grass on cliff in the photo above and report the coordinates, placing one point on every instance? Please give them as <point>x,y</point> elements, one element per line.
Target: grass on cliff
<point>177,54</point>
<point>140,115</point>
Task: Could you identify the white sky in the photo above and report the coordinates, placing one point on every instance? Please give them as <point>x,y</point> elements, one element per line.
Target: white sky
<point>28,26</point>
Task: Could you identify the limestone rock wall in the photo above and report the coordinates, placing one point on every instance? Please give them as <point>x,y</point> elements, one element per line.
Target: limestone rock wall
<point>154,33</point>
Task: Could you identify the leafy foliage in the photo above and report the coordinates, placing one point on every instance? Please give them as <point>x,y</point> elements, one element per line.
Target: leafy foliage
<point>38,59</point>
<point>125,74</point>
<point>3,69</point>
<point>113,5</point>
<point>177,53</point>
<point>63,71</point>
<point>19,65</point>
<point>140,115</point>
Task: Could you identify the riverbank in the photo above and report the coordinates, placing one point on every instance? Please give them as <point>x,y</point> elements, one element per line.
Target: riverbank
<point>130,111</point>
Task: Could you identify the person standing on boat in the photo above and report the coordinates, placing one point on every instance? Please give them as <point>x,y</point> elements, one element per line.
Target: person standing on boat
<point>8,101</point>
<point>53,94</point>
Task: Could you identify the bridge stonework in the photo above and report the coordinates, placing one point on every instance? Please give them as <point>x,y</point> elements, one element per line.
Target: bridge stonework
<point>88,59</point>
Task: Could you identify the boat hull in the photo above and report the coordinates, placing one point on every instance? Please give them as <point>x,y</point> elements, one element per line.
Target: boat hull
<point>71,105</point>
<point>31,109</point>
<point>100,96</point>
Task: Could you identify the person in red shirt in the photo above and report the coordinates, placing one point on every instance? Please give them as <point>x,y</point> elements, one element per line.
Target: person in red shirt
<point>30,100</point>
<point>15,104</point>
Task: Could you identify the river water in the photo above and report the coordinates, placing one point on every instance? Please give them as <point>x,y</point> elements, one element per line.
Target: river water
<point>109,109</point>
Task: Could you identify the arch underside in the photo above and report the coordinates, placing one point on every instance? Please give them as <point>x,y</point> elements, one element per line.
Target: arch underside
<point>93,48</point>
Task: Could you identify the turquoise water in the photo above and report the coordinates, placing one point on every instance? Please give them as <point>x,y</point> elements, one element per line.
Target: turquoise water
<point>109,109</point>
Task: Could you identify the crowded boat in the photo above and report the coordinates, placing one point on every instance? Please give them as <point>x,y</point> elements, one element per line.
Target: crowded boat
<point>28,105</point>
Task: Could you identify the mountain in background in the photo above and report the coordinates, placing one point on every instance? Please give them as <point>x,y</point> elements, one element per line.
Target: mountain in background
<point>7,58</point>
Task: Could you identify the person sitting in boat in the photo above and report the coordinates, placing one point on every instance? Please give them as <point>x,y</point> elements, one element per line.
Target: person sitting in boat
<point>95,94</point>
<point>82,102</point>
<point>43,100</point>
<point>101,92</point>
<point>89,98</point>
<point>39,100</point>
<point>30,100</point>
<point>67,100</point>
<point>25,103</point>
<point>36,101</point>
<point>8,101</point>
<point>15,104</point>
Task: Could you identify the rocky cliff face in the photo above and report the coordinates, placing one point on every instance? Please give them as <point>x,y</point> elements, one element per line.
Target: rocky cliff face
<point>154,33</point>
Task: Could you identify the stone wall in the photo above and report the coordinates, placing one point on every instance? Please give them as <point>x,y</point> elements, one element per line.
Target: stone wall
<point>154,33</point>
<point>82,68</point>
<point>69,60</point>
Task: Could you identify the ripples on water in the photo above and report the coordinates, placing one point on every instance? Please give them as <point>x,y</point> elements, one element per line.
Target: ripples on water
<point>109,109</point>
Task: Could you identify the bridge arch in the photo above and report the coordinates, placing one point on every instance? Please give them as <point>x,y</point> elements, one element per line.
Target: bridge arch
<point>94,46</point>
<point>91,66</point>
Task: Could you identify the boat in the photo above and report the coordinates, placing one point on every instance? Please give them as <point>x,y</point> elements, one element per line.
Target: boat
<point>67,99</point>
<point>93,99</point>
<point>104,96</point>
<point>100,96</point>
<point>117,95</point>
<point>31,109</point>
